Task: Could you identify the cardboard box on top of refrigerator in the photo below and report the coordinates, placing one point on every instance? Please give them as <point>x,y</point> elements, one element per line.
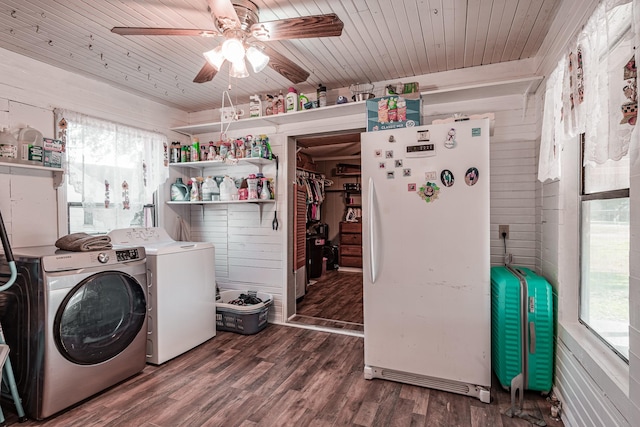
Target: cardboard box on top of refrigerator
<point>393,111</point>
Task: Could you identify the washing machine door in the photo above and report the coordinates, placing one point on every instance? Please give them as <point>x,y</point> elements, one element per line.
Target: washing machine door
<point>99,317</point>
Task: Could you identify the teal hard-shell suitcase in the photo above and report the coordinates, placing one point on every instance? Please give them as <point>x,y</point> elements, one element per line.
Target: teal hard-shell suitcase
<point>511,354</point>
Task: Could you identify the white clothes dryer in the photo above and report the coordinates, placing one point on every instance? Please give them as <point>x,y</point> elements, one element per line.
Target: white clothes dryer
<point>181,294</point>
<point>75,323</point>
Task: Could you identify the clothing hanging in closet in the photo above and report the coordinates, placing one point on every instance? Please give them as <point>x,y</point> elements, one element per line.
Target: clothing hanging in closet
<point>315,184</point>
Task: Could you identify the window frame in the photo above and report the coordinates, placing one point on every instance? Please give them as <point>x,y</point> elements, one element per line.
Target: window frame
<point>585,197</point>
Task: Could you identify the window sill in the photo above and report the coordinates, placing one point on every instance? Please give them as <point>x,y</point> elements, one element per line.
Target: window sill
<point>607,370</point>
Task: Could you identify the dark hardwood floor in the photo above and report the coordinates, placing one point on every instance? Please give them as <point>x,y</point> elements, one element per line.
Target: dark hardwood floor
<point>285,376</point>
<point>282,376</point>
<point>334,300</point>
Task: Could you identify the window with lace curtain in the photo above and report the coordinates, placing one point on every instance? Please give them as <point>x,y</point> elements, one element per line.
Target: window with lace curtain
<point>604,195</point>
<point>113,172</point>
<point>591,96</point>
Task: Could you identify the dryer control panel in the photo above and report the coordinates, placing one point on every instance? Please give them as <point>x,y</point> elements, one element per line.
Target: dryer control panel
<point>64,261</point>
<point>127,254</point>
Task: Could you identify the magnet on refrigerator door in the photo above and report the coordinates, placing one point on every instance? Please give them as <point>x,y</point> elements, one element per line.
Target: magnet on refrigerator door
<point>451,142</point>
<point>399,163</point>
<point>406,172</point>
<point>429,192</point>
<point>424,135</point>
<point>472,176</point>
<point>430,176</point>
<point>446,176</point>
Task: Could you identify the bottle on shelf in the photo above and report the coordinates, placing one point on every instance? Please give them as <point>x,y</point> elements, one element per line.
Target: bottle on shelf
<point>195,149</point>
<point>252,187</point>
<point>291,100</point>
<point>209,188</point>
<point>179,191</point>
<point>195,190</point>
<point>175,152</point>
<point>243,191</point>
<point>279,106</point>
<point>8,146</point>
<point>303,102</point>
<point>228,189</point>
<point>255,106</point>
<point>322,95</point>
<point>224,150</point>
<point>211,152</point>
<point>268,111</point>
<point>184,153</point>
<point>265,194</point>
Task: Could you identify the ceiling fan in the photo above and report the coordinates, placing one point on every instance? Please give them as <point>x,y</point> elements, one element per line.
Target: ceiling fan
<point>238,22</point>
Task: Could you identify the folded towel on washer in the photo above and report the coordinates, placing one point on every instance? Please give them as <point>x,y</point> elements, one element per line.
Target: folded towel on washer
<point>83,242</point>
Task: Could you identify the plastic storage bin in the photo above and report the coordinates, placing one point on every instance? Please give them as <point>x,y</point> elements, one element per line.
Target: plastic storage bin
<point>243,319</point>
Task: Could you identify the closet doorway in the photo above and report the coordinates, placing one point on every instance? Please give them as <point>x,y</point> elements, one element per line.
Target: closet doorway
<point>327,193</point>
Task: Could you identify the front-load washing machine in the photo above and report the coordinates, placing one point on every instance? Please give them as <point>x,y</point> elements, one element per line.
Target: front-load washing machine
<point>181,293</point>
<point>75,322</point>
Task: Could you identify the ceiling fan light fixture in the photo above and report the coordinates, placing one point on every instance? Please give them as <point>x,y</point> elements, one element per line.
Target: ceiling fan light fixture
<point>239,69</point>
<point>215,57</point>
<point>257,58</point>
<point>233,50</point>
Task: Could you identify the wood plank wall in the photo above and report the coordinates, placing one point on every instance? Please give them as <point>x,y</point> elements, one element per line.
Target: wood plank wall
<point>513,158</point>
<point>250,255</point>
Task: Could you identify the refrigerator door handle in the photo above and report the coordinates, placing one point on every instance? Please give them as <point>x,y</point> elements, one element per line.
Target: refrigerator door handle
<point>373,218</point>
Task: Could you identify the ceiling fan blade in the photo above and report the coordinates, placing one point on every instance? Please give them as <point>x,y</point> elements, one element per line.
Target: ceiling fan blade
<point>298,28</point>
<point>223,13</point>
<point>206,74</point>
<point>286,67</point>
<point>144,31</point>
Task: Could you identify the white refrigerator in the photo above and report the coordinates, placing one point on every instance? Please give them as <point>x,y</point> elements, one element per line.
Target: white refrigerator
<point>426,256</point>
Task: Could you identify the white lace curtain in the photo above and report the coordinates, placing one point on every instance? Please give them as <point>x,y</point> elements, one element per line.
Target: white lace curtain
<point>552,137</point>
<point>586,92</point>
<point>113,170</point>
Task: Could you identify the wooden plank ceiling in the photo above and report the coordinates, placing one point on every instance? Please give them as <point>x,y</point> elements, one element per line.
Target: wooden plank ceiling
<point>382,40</point>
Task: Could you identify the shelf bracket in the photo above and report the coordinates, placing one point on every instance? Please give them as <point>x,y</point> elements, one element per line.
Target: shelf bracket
<point>58,178</point>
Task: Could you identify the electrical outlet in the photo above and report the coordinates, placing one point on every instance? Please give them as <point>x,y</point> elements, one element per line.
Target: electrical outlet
<point>503,229</point>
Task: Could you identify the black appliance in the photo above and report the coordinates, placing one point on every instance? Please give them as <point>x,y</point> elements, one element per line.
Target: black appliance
<point>315,243</point>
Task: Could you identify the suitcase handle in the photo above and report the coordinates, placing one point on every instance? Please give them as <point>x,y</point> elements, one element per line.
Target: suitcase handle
<point>532,337</point>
